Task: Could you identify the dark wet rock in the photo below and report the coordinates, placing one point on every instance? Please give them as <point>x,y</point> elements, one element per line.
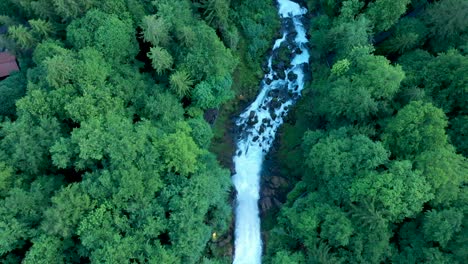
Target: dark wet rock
<point>268,81</point>
<point>282,75</point>
<point>273,93</point>
<point>265,68</point>
<point>253,119</point>
<point>298,51</point>
<point>292,76</point>
<point>210,115</point>
<point>255,139</point>
<point>275,103</point>
<point>275,77</point>
<point>281,66</point>
<point>262,129</point>
<point>277,181</point>
<point>266,204</point>
<point>232,168</point>
<point>273,116</point>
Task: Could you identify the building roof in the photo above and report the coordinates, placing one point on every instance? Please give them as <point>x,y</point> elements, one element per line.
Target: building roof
<point>3,30</point>
<point>7,64</point>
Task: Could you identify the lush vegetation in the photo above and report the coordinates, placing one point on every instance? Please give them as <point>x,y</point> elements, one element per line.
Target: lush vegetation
<point>376,150</point>
<point>105,156</point>
<point>104,152</point>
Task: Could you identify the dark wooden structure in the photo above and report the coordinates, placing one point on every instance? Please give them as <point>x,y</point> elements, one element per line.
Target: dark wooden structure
<point>8,64</point>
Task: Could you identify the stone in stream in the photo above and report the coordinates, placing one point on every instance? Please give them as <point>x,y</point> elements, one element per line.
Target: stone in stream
<point>273,93</point>
<point>253,119</point>
<point>265,68</point>
<point>282,75</point>
<point>275,103</point>
<point>248,167</point>
<point>279,67</point>
<point>273,116</point>
<point>251,114</point>
<point>262,129</point>
<point>292,76</point>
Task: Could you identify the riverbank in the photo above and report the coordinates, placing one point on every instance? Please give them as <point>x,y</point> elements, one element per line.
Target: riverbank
<point>274,186</point>
<point>246,85</point>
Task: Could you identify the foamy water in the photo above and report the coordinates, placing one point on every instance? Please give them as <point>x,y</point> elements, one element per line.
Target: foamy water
<point>259,124</point>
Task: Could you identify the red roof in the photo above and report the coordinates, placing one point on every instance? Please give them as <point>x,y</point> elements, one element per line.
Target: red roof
<point>7,64</point>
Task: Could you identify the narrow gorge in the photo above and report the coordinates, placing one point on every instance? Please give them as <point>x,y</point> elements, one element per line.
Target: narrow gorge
<point>280,88</point>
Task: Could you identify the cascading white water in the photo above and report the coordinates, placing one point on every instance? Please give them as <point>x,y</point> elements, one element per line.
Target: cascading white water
<point>259,123</point>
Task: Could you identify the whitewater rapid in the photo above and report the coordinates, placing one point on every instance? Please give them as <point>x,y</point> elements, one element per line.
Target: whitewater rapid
<point>258,125</point>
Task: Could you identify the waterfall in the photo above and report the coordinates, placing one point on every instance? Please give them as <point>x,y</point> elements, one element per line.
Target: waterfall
<point>258,125</point>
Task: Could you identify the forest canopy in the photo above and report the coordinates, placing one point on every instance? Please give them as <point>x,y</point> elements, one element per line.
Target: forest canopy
<point>376,153</point>
<point>106,154</point>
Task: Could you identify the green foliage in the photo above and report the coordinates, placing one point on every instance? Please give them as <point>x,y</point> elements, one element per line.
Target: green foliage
<point>207,45</point>
<point>40,27</point>
<point>46,249</point>
<point>68,207</point>
<point>336,228</point>
<point>180,152</point>
<point>11,89</point>
<point>254,18</point>
<point>6,179</point>
<point>346,36</point>
<point>288,257</point>
<point>340,67</point>
<point>215,11</point>
<point>201,132</point>
<point>417,127</point>
<point>445,171</point>
<point>160,59</point>
<point>21,212</point>
<point>212,92</point>
<point>22,36</point>
<point>361,92</point>
<point>409,33</point>
<point>441,226</point>
<point>379,181</point>
<point>384,13</point>
<point>334,160</point>
<point>155,30</point>
<point>109,34</point>
<point>399,192</point>
<point>445,80</point>
<point>101,162</point>
<point>458,133</point>
<point>447,23</point>
<point>181,83</point>
<point>137,182</point>
<point>164,107</point>
<point>27,141</point>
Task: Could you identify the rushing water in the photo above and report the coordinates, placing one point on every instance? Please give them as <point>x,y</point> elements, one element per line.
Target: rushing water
<point>259,123</point>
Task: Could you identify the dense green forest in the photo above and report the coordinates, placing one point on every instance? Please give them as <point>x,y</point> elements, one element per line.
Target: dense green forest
<point>105,155</point>
<point>375,152</point>
<point>104,152</point>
